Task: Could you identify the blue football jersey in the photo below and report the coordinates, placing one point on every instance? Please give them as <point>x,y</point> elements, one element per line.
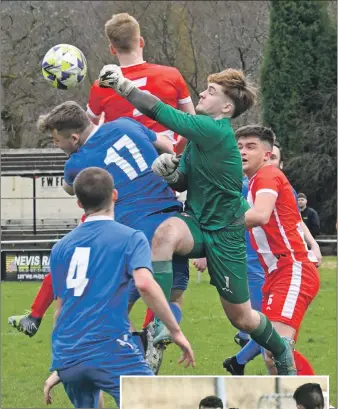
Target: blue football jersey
<point>91,268</point>
<point>125,149</point>
<point>296,196</point>
<point>254,266</point>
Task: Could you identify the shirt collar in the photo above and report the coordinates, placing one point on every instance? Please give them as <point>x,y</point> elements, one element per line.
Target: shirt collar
<point>97,218</point>
<point>132,65</point>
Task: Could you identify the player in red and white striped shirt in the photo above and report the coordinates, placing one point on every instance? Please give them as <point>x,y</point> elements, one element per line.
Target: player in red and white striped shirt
<point>292,279</point>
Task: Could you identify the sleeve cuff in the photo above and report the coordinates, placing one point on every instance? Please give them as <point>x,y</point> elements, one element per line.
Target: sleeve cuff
<point>184,100</point>
<point>266,191</point>
<point>91,113</point>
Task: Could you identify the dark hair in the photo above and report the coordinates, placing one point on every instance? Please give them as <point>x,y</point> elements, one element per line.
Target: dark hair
<point>281,152</point>
<point>211,402</point>
<point>309,395</point>
<point>94,189</point>
<point>66,118</point>
<point>260,132</point>
<point>301,196</point>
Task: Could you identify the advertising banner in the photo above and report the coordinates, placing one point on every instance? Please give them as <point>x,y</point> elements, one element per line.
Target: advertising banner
<point>27,265</point>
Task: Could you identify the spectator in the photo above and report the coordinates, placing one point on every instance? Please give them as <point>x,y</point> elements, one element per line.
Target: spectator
<point>309,396</point>
<point>309,215</point>
<point>211,402</point>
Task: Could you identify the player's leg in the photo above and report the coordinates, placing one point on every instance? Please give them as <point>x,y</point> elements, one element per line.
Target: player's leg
<point>287,294</point>
<point>29,323</point>
<point>255,281</point>
<point>180,283</point>
<point>148,226</point>
<point>144,338</point>
<point>175,236</point>
<point>180,267</point>
<point>154,355</point>
<point>236,364</point>
<point>180,235</point>
<point>226,254</point>
<point>181,280</point>
<point>165,279</point>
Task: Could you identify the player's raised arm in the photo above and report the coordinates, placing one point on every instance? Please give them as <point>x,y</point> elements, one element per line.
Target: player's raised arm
<point>191,126</point>
<point>184,105</point>
<point>207,130</point>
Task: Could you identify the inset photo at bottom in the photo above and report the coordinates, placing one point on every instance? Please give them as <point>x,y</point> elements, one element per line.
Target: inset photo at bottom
<point>200,392</point>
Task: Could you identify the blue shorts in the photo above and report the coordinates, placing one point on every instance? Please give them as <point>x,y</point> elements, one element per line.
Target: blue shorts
<point>83,381</point>
<point>180,264</point>
<point>255,281</point>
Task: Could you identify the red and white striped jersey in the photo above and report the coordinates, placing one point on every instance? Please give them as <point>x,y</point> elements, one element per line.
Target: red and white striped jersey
<point>281,240</point>
<point>164,82</point>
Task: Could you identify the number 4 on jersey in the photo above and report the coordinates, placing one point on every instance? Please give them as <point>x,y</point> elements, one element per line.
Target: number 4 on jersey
<point>76,277</point>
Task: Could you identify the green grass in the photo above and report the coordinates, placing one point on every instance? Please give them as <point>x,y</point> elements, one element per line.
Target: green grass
<point>25,362</point>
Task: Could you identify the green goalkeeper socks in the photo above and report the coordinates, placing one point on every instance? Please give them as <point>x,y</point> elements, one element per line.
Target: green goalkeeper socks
<point>266,336</point>
<point>163,274</point>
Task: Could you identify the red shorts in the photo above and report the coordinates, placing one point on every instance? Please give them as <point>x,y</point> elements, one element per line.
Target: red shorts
<point>288,292</point>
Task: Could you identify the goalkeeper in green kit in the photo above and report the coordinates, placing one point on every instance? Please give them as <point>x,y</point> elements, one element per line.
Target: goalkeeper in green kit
<point>213,222</point>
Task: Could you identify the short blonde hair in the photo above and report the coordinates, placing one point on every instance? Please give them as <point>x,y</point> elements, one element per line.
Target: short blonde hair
<point>123,32</point>
<point>237,88</point>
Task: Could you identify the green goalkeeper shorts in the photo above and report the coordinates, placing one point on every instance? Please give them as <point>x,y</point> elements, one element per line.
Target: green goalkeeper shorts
<point>225,250</point>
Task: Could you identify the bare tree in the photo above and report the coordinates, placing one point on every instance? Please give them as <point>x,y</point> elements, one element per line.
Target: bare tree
<point>196,37</point>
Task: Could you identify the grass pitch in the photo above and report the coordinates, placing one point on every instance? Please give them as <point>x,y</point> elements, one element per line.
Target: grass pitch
<point>25,362</point>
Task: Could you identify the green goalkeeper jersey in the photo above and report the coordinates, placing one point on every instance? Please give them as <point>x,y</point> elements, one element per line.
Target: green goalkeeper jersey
<point>212,164</point>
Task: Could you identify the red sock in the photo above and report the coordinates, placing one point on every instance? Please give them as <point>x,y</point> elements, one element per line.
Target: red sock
<point>148,318</point>
<point>303,365</point>
<point>44,298</point>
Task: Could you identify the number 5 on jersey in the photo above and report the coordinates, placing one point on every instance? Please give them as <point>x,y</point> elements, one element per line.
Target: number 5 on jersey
<point>76,277</point>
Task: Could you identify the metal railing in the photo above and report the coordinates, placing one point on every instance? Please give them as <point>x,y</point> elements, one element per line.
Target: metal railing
<point>56,240</point>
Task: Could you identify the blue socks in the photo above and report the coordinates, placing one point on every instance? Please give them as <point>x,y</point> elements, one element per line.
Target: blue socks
<point>176,310</point>
<point>243,335</point>
<point>249,352</point>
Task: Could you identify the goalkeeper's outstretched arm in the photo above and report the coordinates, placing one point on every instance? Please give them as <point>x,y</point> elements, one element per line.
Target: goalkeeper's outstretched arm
<point>200,129</point>
<point>143,101</point>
